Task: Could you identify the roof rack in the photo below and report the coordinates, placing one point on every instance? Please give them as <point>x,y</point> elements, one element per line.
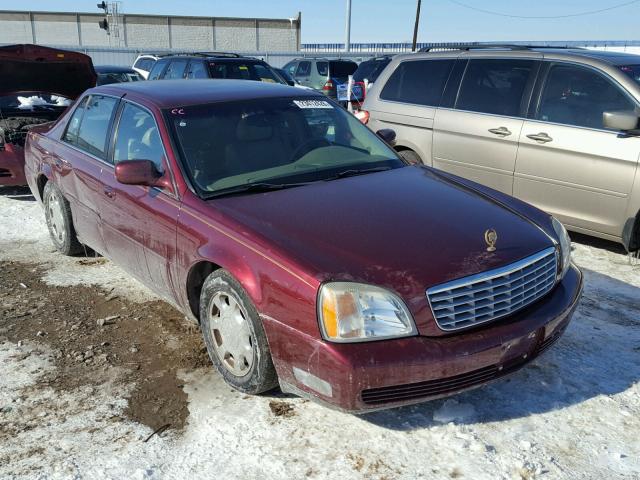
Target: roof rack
<point>483,46</point>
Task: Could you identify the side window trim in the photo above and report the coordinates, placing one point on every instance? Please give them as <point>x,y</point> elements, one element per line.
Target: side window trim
<point>543,82</point>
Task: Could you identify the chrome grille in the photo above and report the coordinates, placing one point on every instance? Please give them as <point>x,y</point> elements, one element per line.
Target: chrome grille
<point>493,294</point>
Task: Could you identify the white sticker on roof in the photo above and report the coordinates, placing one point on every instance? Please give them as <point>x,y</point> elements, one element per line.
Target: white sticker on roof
<point>312,104</point>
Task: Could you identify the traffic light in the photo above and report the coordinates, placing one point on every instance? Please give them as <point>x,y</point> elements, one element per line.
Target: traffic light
<point>104,24</point>
<point>103,6</point>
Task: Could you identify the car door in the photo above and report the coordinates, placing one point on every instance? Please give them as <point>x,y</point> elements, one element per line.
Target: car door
<point>140,221</point>
<point>568,163</point>
<point>82,154</point>
<point>478,137</point>
<point>303,73</point>
<point>407,103</point>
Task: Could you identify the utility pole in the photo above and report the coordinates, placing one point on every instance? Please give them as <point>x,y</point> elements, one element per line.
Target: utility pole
<point>415,28</point>
<point>347,29</point>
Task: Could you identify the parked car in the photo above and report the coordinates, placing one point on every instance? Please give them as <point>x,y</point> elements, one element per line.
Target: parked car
<point>216,65</point>
<point>321,74</point>
<point>144,64</point>
<point>304,246</point>
<point>554,127</point>
<point>38,84</point>
<point>113,74</point>
<point>289,79</point>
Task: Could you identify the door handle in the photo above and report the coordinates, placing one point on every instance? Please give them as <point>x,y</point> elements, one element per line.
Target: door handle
<point>502,131</point>
<point>109,192</point>
<point>540,137</point>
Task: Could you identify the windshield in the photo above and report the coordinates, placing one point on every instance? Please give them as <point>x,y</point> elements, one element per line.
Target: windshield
<point>33,102</point>
<point>118,77</point>
<point>275,141</point>
<point>244,71</point>
<point>632,71</point>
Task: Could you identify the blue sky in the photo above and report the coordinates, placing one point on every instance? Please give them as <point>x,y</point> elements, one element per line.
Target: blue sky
<point>392,20</point>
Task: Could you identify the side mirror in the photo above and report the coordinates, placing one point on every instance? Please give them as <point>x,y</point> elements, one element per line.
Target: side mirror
<point>138,172</point>
<point>388,135</point>
<point>621,120</point>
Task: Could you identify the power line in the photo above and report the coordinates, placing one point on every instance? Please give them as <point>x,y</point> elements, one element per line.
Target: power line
<point>580,14</point>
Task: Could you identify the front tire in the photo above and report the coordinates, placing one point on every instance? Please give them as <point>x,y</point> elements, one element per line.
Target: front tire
<point>234,335</point>
<point>57,213</point>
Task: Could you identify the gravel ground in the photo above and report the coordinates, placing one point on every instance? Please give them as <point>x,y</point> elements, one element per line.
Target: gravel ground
<point>92,364</point>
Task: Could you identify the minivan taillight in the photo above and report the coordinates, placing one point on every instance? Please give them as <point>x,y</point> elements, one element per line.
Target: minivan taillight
<point>362,115</point>
<point>328,85</point>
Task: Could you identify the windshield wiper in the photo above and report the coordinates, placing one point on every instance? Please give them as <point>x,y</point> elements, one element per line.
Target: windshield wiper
<point>352,172</point>
<point>253,188</point>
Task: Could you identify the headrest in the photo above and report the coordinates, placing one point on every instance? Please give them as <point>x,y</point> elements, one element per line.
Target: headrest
<point>254,128</point>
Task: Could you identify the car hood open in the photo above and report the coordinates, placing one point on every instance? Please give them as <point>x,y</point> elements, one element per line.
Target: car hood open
<point>406,229</point>
<point>32,68</point>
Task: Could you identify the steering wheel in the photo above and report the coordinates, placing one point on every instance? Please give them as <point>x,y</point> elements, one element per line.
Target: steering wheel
<point>306,147</point>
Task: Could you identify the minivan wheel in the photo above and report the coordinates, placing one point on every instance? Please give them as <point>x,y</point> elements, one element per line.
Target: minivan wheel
<point>411,157</point>
<point>234,335</point>
<point>57,213</point>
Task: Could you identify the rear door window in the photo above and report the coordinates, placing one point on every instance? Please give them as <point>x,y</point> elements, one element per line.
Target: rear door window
<point>94,127</point>
<point>494,86</point>
<point>575,95</point>
<point>304,69</point>
<point>176,69</point>
<point>197,69</point>
<point>419,82</point>
<point>157,69</point>
<point>322,68</point>
<point>71,134</point>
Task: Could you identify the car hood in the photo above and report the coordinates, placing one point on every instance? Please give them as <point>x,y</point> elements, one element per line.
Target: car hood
<point>405,229</point>
<point>32,68</point>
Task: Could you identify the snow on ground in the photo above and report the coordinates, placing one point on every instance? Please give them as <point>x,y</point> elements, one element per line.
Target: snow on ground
<point>574,413</point>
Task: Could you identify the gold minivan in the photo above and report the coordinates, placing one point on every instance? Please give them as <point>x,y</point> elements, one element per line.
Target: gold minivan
<point>555,127</point>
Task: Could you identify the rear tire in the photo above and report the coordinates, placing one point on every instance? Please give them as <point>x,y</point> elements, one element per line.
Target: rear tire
<point>234,335</point>
<point>57,213</point>
<point>411,157</point>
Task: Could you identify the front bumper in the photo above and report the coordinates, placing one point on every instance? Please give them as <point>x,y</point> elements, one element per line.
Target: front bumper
<point>361,377</point>
<point>12,166</point>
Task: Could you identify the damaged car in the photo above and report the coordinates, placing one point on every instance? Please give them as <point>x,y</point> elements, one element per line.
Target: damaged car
<point>38,84</point>
<point>311,255</point>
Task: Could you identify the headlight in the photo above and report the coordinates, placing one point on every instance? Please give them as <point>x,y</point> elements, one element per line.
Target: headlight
<point>565,247</point>
<point>355,312</point>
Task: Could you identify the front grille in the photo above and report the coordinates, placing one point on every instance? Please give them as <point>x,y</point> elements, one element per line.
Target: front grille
<point>487,296</point>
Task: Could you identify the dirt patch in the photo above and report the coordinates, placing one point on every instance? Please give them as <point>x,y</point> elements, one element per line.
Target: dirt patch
<point>281,409</point>
<point>91,331</point>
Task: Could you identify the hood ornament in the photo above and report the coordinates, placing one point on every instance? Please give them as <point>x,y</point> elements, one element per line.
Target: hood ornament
<point>491,237</point>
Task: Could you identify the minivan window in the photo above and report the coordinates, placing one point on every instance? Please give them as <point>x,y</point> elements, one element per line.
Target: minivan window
<point>156,71</point>
<point>94,127</point>
<point>578,96</point>
<point>137,137</point>
<point>176,69</point>
<point>632,71</point>
<point>418,81</point>
<point>494,86</point>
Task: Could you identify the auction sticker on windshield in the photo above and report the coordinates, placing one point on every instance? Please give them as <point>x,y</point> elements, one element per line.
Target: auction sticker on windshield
<point>312,104</point>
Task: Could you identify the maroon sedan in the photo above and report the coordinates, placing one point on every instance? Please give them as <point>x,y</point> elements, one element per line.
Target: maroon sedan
<point>37,84</point>
<point>312,257</point>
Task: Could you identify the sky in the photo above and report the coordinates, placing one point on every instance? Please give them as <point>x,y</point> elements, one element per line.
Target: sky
<point>323,21</point>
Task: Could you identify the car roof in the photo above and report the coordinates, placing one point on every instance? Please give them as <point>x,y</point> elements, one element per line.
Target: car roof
<point>614,58</point>
<point>113,69</point>
<point>178,93</point>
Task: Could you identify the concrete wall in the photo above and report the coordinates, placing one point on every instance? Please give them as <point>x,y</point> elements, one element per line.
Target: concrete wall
<point>150,32</point>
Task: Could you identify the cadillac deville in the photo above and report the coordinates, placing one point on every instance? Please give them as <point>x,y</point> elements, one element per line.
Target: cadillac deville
<point>311,255</point>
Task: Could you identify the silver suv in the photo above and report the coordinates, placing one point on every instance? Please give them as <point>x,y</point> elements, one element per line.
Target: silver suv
<point>555,127</point>
<point>322,74</point>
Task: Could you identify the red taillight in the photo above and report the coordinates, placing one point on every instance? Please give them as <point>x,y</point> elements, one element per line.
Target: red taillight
<point>328,85</point>
<point>362,115</point>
